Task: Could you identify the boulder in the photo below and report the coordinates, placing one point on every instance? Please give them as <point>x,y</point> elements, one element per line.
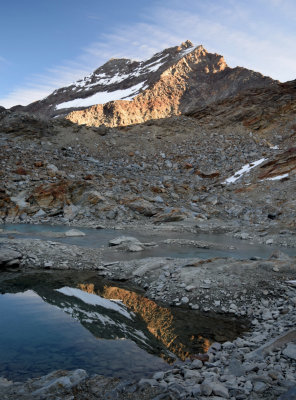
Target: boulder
<point>143,207</point>
<point>127,243</point>
<point>290,351</point>
<point>122,240</point>
<point>9,257</point>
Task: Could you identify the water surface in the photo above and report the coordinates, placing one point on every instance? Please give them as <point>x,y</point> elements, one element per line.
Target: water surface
<point>224,246</point>
<point>68,320</point>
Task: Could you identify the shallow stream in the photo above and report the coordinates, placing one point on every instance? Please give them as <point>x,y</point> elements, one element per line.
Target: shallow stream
<point>220,245</point>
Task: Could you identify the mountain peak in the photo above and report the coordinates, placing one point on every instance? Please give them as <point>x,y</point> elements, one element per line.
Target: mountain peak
<point>186,45</point>
<point>172,81</point>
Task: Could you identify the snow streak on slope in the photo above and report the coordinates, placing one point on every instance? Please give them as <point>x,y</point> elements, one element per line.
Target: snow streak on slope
<point>245,169</point>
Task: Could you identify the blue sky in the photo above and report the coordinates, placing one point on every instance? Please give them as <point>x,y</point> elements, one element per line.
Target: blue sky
<point>48,44</point>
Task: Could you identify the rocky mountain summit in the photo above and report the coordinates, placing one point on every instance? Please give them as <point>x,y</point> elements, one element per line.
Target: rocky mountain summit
<point>173,81</point>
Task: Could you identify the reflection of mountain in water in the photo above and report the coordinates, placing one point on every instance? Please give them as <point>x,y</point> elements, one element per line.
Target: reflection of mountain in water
<point>159,321</point>
<point>104,318</point>
<point>181,331</point>
<point>111,312</point>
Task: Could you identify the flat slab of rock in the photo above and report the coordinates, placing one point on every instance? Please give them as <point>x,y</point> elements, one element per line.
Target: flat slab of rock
<point>74,233</point>
<point>276,343</point>
<point>52,386</point>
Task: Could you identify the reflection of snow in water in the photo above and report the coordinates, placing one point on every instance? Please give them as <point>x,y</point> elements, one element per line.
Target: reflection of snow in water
<point>94,300</point>
<point>92,317</point>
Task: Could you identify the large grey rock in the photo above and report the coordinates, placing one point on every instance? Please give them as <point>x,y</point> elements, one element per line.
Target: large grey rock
<point>192,374</point>
<point>290,351</point>
<point>70,211</point>
<point>220,390</point>
<point>259,387</point>
<point>235,368</point>
<point>40,214</point>
<point>206,387</point>
<point>123,240</point>
<point>127,243</point>
<point>197,364</point>
<point>9,257</point>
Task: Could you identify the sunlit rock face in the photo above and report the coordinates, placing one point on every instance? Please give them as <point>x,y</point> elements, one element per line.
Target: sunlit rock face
<point>171,82</point>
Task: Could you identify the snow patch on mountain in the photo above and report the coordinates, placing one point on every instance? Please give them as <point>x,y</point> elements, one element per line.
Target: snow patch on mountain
<point>244,170</point>
<point>103,97</point>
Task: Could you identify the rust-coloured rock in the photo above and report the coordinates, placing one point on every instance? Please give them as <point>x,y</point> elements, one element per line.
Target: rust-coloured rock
<point>20,171</point>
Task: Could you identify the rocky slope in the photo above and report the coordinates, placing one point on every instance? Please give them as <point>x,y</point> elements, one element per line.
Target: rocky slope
<point>161,171</point>
<point>124,92</point>
<point>260,109</point>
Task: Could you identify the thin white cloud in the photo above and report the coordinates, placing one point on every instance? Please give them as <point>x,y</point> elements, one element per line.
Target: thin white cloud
<point>254,35</point>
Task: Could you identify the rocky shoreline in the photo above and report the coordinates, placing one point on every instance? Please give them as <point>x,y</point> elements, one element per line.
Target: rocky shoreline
<point>258,365</point>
